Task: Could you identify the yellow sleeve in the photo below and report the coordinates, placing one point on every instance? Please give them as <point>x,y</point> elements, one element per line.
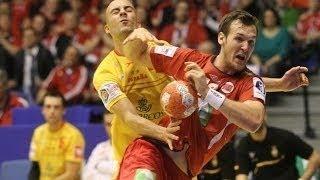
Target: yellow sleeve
<point>75,150</point>
<point>33,150</point>
<point>106,81</point>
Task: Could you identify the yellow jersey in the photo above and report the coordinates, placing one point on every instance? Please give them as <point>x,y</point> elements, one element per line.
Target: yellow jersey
<point>116,78</point>
<point>53,149</point>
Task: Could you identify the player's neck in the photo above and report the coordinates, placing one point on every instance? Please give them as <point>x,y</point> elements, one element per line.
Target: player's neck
<point>53,127</point>
<point>222,65</point>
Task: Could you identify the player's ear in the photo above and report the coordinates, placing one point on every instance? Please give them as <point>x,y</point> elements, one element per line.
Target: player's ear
<point>221,37</point>
<point>106,29</point>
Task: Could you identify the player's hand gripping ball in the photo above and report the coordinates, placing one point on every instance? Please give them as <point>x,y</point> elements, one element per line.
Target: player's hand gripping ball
<point>179,100</point>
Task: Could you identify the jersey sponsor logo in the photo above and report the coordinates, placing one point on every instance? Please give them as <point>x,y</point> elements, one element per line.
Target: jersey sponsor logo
<point>138,77</point>
<point>252,155</point>
<point>143,105</point>
<point>152,116</point>
<point>259,89</point>
<point>109,92</point>
<point>165,50</point>
<point>227,88</point>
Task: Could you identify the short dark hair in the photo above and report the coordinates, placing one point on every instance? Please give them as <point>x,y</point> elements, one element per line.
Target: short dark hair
<point>54,93</point>
<point>245,18</point>
<point>106,3</point>
<point>276,15</point>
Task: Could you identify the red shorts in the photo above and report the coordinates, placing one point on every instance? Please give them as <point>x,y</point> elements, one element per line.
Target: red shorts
<point>142,154</point>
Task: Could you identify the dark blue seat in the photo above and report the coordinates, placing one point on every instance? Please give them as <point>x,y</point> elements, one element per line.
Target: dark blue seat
<point>33,115</point>
<point>15,140</point>
<point>15,169</point>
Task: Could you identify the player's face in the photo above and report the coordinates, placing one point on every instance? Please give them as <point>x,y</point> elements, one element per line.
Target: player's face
<point>238,46</point>
<point>120,18</point>
<point>53,109</point>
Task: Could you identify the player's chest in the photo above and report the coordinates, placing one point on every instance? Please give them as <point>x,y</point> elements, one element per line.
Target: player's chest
<point>53,145</point>
<point>266,155</point>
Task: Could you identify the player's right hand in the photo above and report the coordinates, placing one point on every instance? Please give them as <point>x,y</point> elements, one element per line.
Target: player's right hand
<point>168,133</point>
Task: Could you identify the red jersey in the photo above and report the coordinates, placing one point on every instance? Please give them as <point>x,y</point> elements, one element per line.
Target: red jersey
<point>309,23</point>
<point>218,130</point>
<point>71,82</point>
<point>12,101</point>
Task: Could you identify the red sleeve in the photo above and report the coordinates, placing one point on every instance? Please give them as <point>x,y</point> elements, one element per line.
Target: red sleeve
<point>170,59</point>
<point>253,89</point>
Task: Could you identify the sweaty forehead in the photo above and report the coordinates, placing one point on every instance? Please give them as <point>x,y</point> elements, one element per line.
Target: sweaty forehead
<point>237,27</point>
<point>118,3</point>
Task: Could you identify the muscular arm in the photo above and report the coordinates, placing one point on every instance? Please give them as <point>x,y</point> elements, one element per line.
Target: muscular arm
<point>72,171</point>
<point>126,111</point>
<point>248,115</point>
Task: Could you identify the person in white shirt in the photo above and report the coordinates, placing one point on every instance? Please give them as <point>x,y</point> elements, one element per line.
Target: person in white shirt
<point>101,164</point>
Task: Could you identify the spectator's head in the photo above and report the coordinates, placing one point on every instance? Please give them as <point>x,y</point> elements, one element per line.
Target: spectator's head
<point>107,121</point>
<point>53,107</point>
<point>243,4</point>
<point>282,3</point>
<point>145,4</point>
<point>207,47</point>
<point>39,23</point>
<point>70,20</point>
<point>4,23</point>
<point>237,36</point>
<point>3,83</point>
<point>181,11</point>
<point>142,16</point>
<point>51,5</point>
<point>314,5</point>
<point>29,38</point>
<point>70,57</point>
<point>270,18</point>
<point>76,5</point>
<point>4,7</point>
<point>121,18</point>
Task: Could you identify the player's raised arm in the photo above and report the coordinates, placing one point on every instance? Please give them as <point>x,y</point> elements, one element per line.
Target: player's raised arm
<point>291,80</point>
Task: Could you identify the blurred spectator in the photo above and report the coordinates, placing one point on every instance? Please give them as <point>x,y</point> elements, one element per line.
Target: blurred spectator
<point>8,100</point>
<point>7,49</point>
<point>221,166</point>
<point>183,32</point>
<point>251,6</point>
<point>272,45</point>
<point>289,15</point>
<point>19,11</point>
<point>57,147</point>
<point>162,14</point>
<point>207,47</point>
<point>210,16</point>
<point>308,36</point>
<point>40,26</point>
<point>49,10</point>
<point>69,78</point>
<point>33,64</point>
<point>270,153</point>
<point>101,164</point>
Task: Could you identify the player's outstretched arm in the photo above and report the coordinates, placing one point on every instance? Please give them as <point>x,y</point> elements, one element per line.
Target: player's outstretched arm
<point>126,111</point>
<point>248,115</point>
<point>291,80</point>
<point>136,47</point>
<point>312,166</point>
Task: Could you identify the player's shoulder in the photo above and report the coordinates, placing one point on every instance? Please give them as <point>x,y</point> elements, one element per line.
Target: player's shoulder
<point>41,129</point>
<point>72,130</point>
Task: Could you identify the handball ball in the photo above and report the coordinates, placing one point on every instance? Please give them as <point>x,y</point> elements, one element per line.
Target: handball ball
<point>178,99</point>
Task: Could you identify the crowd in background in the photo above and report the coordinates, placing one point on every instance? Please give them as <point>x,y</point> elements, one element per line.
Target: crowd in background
<point>57,44</point>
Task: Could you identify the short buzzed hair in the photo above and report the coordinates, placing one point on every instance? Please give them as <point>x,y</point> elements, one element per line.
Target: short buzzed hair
<point>106,3</point>
<point>243,16</point>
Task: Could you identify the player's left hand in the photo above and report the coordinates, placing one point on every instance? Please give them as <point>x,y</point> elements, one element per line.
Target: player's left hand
<point>173,127</point>
<point>197,77</point>
<point>141,34</point>
<point>294,78</point>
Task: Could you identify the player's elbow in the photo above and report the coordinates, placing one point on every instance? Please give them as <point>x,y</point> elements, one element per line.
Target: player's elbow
<point>255,122</point>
